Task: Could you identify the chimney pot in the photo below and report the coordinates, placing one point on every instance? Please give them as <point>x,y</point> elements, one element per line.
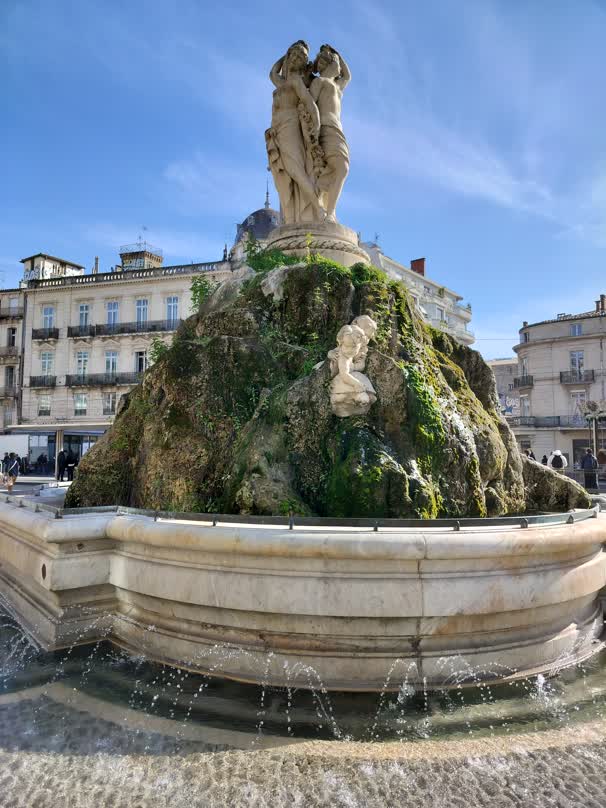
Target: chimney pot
<point>602,302</point>
<point>418,265</point>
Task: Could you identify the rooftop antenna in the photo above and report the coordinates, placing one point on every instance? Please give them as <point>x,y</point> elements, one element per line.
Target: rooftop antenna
<point>267,195</point>
<point>376,238</point>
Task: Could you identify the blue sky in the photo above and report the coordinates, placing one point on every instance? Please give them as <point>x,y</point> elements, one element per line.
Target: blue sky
<point>476,130</point>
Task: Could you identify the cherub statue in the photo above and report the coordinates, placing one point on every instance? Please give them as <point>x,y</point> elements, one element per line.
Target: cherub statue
<point>351,392</point>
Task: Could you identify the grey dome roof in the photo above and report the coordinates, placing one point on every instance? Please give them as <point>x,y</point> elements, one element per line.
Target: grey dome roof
<point>259,224</point>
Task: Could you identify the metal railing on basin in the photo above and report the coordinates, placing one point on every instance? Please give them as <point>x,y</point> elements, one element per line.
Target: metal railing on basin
<point>291,521</point>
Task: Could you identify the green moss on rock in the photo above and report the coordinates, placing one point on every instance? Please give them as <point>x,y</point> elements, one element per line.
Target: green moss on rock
<point>236,415</point>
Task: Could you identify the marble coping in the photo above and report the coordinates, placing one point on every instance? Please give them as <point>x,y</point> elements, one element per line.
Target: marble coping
<point>308,542</point>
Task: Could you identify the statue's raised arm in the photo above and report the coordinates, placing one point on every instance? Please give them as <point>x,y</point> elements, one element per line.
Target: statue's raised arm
<point>275,74</point>
<point>343,80</point>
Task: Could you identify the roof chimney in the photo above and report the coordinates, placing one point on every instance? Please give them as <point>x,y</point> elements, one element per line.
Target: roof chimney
<point>96,267</point>
<point>602,302</point>
<point>597,305</point>
<point>418,265</point>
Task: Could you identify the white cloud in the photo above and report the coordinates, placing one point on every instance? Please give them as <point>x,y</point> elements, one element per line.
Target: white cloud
<point>432,152</point>
<point>205,183</point>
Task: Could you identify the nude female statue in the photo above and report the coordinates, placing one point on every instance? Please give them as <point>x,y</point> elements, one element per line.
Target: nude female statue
<point>292,141</point>
<point>326,90</point>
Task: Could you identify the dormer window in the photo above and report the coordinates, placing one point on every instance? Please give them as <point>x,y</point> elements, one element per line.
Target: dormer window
<point>576,329</point>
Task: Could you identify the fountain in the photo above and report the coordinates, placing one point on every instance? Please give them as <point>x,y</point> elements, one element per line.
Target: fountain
<point>308,523</point>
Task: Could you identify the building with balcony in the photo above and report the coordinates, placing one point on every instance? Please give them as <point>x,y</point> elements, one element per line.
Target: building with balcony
<point>560,369</point>
<point>87,341</point>
<point>505,372</point>
<point>439,306</point>
<point>11,333</point>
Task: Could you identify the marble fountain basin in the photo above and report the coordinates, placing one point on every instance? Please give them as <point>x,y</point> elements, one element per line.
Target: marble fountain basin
<point>318,605</point>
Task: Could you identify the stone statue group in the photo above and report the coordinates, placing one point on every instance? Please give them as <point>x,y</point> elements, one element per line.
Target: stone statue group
<point>307,151</point>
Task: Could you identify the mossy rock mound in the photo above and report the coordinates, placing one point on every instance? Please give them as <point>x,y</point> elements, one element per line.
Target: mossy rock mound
<point>236,416</point>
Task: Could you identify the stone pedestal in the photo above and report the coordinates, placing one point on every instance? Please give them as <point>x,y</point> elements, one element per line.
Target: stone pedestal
<point>329,239</point>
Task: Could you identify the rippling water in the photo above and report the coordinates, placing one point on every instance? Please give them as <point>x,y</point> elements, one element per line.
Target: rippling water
<point>106,679</point>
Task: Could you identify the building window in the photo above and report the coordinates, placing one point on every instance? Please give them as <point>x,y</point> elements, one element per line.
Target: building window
<point>44,405</point>
<point>109,403</point>
<point>48,317</point>
<point>577,361</point>
<point>172,309</point>
<point>9,377</point>
<point>576,329</point>
<point>83,315</point>
<point>47,362</point>
<point>80,403</point>
<point>578,399</point>
<point>525,337</point>
<point>524,406</point>
<point>112,312</point>
<point>141,307</point>
<point>82,363</point>
<point>111,361</point>
<point>140,361</point>
<point>11,337</point>
<point>440,313</point>
<point>524,367</point>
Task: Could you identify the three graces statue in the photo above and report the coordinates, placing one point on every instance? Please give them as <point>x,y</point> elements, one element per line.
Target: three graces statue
<point>308,154</point>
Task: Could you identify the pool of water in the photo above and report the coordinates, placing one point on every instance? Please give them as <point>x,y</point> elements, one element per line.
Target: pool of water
<point>105,679</point>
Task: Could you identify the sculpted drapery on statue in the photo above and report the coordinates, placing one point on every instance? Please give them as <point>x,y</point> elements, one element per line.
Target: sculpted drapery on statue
<point>308,154</point>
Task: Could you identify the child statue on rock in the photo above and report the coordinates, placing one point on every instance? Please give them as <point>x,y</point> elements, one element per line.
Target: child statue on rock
<point>351,392</point>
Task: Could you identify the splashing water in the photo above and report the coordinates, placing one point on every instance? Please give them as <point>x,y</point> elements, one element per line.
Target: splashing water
<point>103,679</point>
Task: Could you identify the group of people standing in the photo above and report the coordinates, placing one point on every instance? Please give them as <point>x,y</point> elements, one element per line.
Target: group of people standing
<point>66,463</point>
<point>558,462</point>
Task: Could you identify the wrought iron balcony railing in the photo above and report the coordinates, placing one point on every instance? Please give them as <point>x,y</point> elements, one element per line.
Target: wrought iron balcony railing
<point>42,381</point>
<point>9,391</point>
<point>8,350</point>
<point>521,420</point>
<point>523,381</point>
<point>137,327</point>
<point>577,376</point>
<point>11,312</point>
<point>81,331</point>
<point>102,379</point>
<point>45,333</point>
<point>549,421</point>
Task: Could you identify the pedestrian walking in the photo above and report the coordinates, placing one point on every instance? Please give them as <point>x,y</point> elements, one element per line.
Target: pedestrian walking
<point>544,460</point>
<point>557,461</point>
<point>61,464</point>
<point>12,471</point>
<point>529,453</point>
<point>589,464</point>
<point>72,460</point>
